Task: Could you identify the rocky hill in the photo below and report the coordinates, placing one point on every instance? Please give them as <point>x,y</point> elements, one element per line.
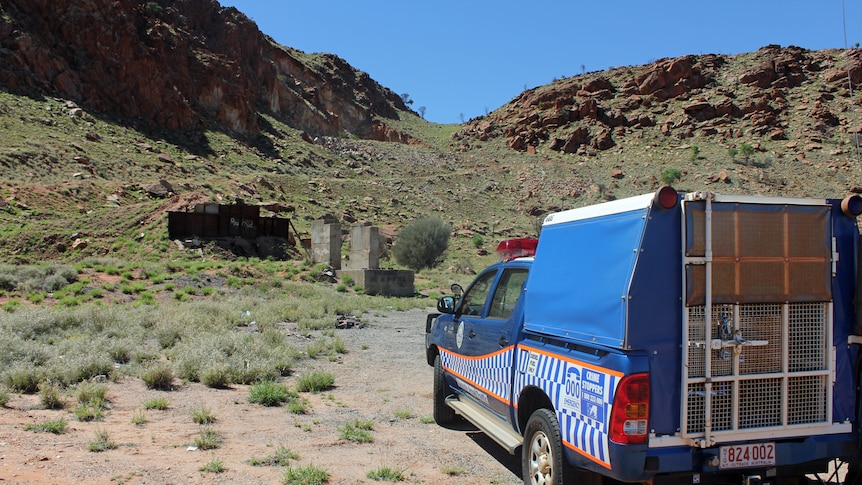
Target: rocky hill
<point>116,111</point>
<point>762,95</point>
<point>184,67</point>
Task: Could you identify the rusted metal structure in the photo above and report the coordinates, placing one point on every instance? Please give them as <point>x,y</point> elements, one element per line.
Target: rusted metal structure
<point>217,221</point>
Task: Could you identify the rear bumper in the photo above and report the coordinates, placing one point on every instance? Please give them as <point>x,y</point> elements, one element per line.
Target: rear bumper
<point>682,464</point>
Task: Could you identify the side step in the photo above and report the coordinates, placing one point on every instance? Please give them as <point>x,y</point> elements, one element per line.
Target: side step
<point>486,421</point>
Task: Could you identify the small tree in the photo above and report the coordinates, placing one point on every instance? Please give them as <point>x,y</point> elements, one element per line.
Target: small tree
<point>422,111</point>
<point>420,244</point>
<point>732,152</point>
<point>695,152</point>
<point>747,151</point>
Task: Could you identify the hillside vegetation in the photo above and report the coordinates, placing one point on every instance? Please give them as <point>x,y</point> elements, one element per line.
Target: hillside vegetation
<point>84,175</point>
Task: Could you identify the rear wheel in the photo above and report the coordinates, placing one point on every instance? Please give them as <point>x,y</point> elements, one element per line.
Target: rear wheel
<point>443,414</point>
<point>542,453</point>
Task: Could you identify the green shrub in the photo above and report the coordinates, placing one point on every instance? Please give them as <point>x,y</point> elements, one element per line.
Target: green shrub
<point>50,396</point>
<point>12,305</point>
<point>120,353</point>
<point>386,474</point>
<point>453,471</point>
<point>747,151</point>
<point>24,378</point>
<point>357,431</point>
<point>159,404</point>
<point>307,475</point>
<point>208,439</point>
<point>268,393</point>
<point>101,443</point>
<point>55,426</point>
<point>86,412</point>
<point>298,405</point>
<point>203,415</point>
<point>4,397</point>
<point>315,381</point>
<point>92,393</point>
<point>159,376</point>
<point>139,418</point>
<point>168,337</point>
<point>404,414</point>
<point>218,377</point>
<point>732,153</point>
<point>280,457</point>
<point>420,244</point>
<point>670,175</point>
<point>477,241</point>
<point>82,367</point>
<point>213,466</point>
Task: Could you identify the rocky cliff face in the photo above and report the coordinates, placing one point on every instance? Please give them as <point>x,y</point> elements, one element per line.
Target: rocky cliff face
<point>186,66</point>
<point>773,94</point>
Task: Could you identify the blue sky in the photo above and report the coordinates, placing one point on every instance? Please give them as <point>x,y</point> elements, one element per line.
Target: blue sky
<point>463,58</point>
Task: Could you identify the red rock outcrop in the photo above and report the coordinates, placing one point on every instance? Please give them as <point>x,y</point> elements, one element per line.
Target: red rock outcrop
<point>707,95</point>
<point>184,65</point>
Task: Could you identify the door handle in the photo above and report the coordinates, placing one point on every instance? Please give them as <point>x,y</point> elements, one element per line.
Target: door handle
<point>503,341</point>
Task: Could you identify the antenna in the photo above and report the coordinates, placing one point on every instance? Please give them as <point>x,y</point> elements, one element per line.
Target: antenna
<point>849,78</point>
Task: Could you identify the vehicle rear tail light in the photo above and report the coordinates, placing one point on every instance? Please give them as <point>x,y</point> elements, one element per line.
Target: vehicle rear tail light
<point>630,412</point>
<point>517,248</point>
<point>667,197</point>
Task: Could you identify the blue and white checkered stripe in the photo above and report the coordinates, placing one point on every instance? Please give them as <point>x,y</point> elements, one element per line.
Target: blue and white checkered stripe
<point>588,434</point>
<point>490,373</point>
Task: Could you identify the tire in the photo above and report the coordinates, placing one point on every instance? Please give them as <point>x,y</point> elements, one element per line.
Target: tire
<point>443,414</point>
<point>542,459</point>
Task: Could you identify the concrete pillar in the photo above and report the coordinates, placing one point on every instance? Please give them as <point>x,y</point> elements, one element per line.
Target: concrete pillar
<point>364,247</point>
<point>326,243</point>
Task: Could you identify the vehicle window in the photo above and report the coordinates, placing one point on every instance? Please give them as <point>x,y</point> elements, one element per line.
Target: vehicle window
<point>507,293</point>
<point>474,299</point>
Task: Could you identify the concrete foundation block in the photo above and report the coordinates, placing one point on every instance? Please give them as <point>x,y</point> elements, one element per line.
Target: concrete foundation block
<point>386,282</point>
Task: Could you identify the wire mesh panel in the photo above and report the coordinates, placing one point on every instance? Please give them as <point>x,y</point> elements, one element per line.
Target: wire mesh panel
<point>760,325</point>
<point>806,400</point>
<point>722,395</point>
<point>721,362</point>
<point>807,335</point>
<point>748,347</point>
<point>760,403</point>
<point>696,397</point>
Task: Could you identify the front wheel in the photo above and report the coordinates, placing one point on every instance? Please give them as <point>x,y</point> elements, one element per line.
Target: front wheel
<point>443,414</point>
<point>542,453</point>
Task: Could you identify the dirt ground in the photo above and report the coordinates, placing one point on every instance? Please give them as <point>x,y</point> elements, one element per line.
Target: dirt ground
<point>383,378</point>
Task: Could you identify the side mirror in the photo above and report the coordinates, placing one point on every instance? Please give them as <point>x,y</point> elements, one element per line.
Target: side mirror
<point>447,304</point>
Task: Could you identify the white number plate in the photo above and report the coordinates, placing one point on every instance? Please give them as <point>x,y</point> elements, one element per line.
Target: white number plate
<point>747,456</point>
